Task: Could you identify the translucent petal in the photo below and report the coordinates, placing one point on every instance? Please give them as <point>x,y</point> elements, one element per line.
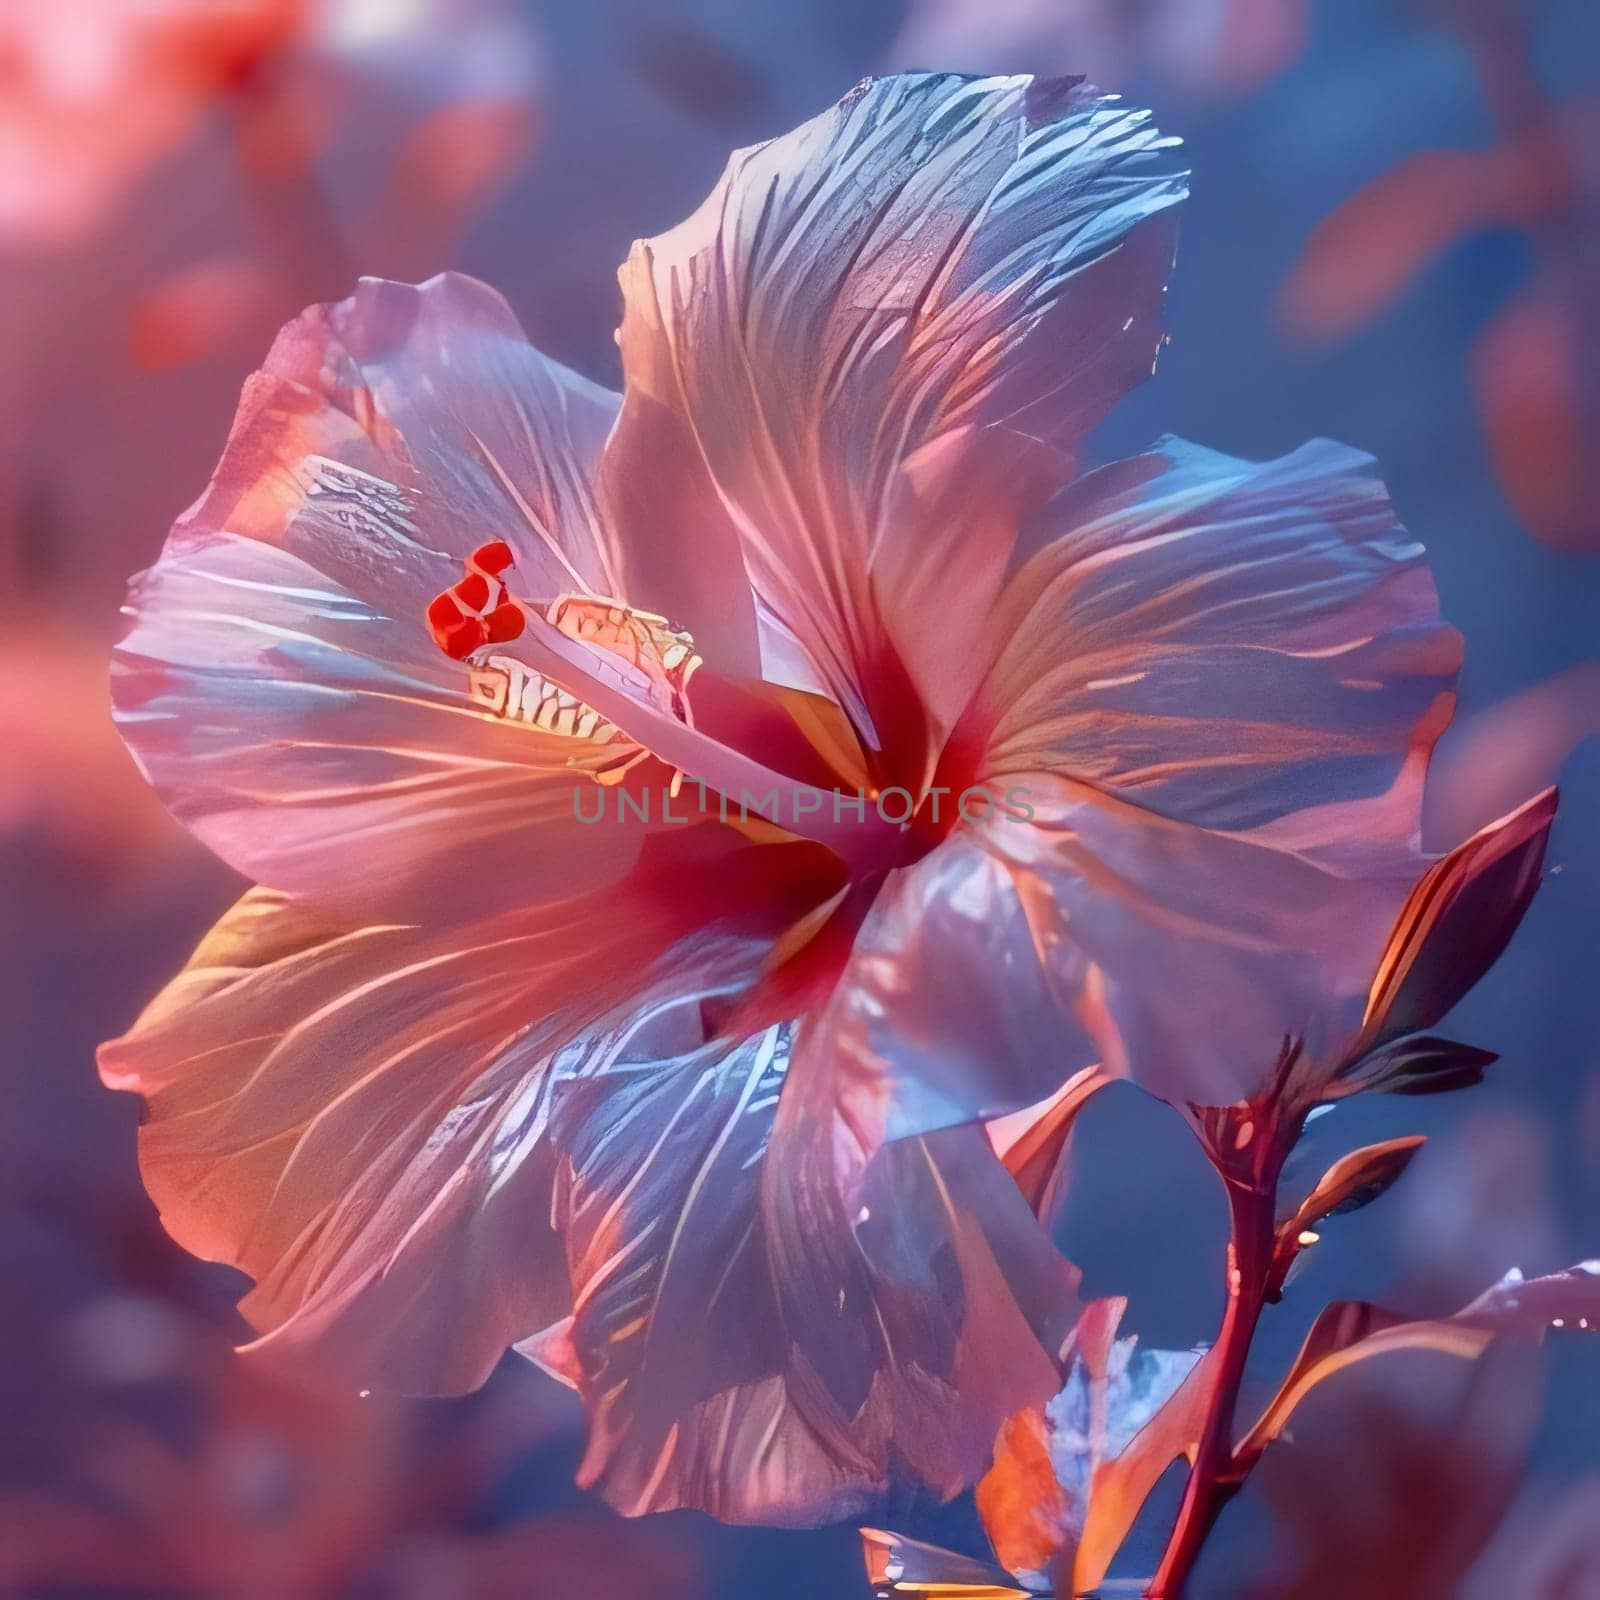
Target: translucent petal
<point>352,1116</point>
<point>355,1115</point>
<point>390,434</point>
<point>1242,645</point>
<point>1187,955</point>
<point>1051,1462</point>
<point>278,682</point>
<point>885,334</point>
<point>772,1332</point>
<point>327,748</point>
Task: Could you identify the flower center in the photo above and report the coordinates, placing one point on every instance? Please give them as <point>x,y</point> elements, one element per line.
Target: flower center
<point>613,683</point>
<point>637,650</point>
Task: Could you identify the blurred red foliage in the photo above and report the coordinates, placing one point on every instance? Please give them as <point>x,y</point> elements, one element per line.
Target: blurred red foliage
<point>1534,366</point>
<point>1490,759</point>
<point>1207,48</point>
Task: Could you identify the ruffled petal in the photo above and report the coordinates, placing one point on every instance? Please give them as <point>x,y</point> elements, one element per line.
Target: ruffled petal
<point>947,1011</point>
<point>1231,643</point>
<point>355,1115</point>
<point>1190,956</point>
<point>1031,947</point>
<point>389,435</point>
<point>351,1117</point>
<point>1025,950</point>
<point>885,334</point>
<point>278,682</point>
<point>1216,687</point>
<point>326,748</point>
<point>769,1332</point>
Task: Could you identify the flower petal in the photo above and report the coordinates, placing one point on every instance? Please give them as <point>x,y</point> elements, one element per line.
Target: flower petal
<point>1228,642</point>
<point>355,1115</point>
<point>947,1012</point>
<point>1032,1142</point>
<point>471,434</point>
<point>1188,956</point>
<point>351,1117</point>
<point>1023,951</point>
<point>766,1337</point>
<point>278,682</point>
<point>1216,686</point>
<point>886,333</point>
<point>326,748</point>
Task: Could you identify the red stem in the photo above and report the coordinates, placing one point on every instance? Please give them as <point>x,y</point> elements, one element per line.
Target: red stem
<point>1216,1475</point>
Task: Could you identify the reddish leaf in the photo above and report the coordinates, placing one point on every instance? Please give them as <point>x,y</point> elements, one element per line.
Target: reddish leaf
<point>1025,1509</point>
<point>1529,1306</point>
<point>1549,1547</point>
<point>1486,763</point>
<point>1121,1485</point>
<point>1030,1510</point>
<point>1351,1182</point>
<point>1357,1179</point>
<point>1420,1064</point>
<point>196,312</point>
<point>1351,1330</point>
<point>1456,922</point>
<point>900,1566</point>
<point>1395,1483</point>
<point>1529,373</point>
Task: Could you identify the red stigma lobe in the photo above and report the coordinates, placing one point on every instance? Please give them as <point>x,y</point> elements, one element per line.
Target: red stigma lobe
<point>476,610</point>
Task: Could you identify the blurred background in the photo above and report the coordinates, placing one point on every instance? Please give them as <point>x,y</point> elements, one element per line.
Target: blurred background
<point>1394,239</point>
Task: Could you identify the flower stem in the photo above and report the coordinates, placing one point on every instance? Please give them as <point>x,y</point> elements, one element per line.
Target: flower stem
<point>1216,1475</point>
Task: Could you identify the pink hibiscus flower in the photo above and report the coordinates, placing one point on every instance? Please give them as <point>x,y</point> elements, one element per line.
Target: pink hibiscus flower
<point>532,1034</point>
